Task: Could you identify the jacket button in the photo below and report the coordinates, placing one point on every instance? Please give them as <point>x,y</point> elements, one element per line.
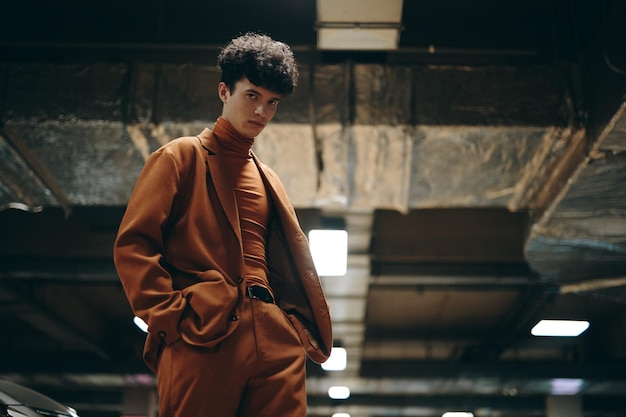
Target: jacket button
<point>234,317</point>
<point>239,279</point>
<point>162,334</point>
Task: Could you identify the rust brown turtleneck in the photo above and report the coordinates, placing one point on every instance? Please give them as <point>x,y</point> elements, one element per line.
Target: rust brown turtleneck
<point>252,199</point>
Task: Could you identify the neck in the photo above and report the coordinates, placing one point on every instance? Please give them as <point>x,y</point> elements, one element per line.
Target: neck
<point>230,138</point>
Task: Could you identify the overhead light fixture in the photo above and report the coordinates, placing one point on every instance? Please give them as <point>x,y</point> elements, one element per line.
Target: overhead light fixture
<point>457,414</point>
<point>329,249</point>
<point>338,393</point>
<point>143,326</point>
<point>337,361</point>
<point>359,24</point>
<point>566,386</point>
<point>341,415</point>
<point>357,36</point>
<point>560,328</point>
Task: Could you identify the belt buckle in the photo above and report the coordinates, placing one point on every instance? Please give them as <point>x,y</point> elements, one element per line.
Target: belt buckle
<point>263,294</point>
<point>251,293</point>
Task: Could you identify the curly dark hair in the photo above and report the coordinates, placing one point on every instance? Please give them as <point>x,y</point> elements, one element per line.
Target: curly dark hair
<point>264,61</point>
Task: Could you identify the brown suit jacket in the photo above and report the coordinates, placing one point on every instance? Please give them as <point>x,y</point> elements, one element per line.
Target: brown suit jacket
<point>179,253</point>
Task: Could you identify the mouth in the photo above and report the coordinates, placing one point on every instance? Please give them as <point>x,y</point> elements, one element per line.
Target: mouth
<point>257,124</point>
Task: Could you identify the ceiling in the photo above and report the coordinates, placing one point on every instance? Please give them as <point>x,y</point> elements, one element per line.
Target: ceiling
<point>479,170</point>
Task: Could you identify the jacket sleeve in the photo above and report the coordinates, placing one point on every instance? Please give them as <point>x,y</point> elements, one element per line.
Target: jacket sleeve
<point>139,248</point>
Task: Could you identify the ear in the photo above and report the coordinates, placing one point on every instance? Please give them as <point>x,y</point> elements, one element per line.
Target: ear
<point>223,91</point>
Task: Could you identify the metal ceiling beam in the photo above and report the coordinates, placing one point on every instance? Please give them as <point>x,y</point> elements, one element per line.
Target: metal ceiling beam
<point>70,365</point>
<point>55,269</point>
<point>521,370</point>
<point>13,138</point>
<point>457,282</point>
<point>374,373</point>
<point>593,285</point>
<point>512,327</point>
<point>435,406</point>
<point>46,321</point>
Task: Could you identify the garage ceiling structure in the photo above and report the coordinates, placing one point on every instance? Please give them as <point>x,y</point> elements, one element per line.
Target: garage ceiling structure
<point>479,169</point>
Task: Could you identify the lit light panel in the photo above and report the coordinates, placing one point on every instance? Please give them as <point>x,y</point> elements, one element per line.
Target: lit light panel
<point>329,249</point>
<point>339,393</point>
<point>560,328</point>
<point>337,361</point>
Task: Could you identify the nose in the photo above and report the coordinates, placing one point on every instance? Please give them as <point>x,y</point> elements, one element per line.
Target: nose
<point>260,110</point>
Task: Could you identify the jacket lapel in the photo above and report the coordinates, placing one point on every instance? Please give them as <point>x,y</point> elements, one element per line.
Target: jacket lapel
<point>281,202</point>
<point>222,183</point>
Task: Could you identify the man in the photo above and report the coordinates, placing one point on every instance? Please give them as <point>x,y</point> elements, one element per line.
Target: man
<point>212,257</point>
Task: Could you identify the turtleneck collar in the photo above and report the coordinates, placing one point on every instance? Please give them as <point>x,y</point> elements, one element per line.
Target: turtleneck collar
<point>231,139</point>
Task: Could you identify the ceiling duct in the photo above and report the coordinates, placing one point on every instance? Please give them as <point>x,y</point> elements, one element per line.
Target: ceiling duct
<point>358,24</point>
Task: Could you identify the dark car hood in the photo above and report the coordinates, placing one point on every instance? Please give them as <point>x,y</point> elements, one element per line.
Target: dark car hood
<point>12,394</point>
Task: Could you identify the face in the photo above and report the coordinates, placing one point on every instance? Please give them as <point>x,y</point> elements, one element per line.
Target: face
<point>249,108</point>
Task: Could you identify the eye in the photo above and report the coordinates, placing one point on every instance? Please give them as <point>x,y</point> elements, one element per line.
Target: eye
<point>251,96</point>
<point>273,103</point>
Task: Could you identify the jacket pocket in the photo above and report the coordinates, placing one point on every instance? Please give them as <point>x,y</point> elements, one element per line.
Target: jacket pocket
<point>211,306</point>
<point>311,346</point>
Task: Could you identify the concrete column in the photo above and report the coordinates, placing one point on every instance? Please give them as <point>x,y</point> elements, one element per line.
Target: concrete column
<point>564,406</point>
<point>153,404</point>
<point>140,402</point>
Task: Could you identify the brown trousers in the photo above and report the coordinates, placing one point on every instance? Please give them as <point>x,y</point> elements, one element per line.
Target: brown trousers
<point>259,371</point>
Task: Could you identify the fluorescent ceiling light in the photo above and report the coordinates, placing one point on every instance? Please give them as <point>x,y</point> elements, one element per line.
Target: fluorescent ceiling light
<point>357,38</point>
<point>337,361</point>
<point>359,24</point>
<point>141,324</point>
<point>457,414</point>
<point>359,10</point>
<point>566,386</point>
<point>339,392</point>
<point>329,249</point>
<point>341,415</point>
<point>559,328</point>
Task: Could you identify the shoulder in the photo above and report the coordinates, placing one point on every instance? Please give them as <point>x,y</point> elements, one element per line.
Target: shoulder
<point>183,150</point>
<point>177,155</point>
<point>181,146</point>
<point>201,144</point>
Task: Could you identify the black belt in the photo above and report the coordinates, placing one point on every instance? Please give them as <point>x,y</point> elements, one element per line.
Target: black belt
<point>256,292</point>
